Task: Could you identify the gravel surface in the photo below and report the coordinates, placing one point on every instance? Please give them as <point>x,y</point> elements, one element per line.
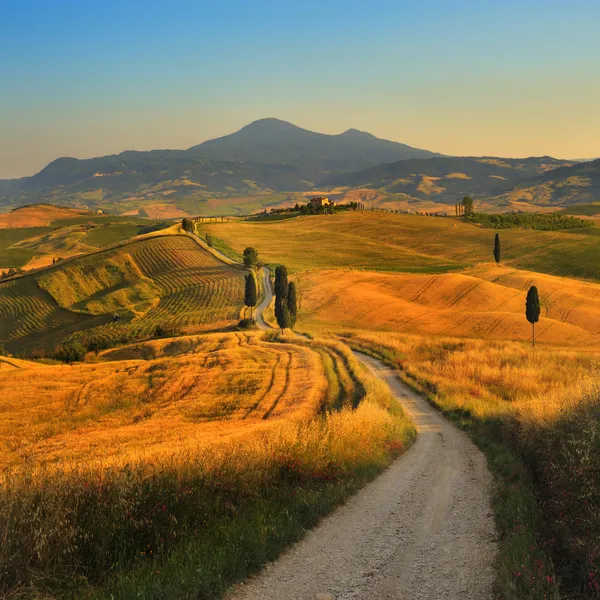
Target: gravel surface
<point>422,530</point>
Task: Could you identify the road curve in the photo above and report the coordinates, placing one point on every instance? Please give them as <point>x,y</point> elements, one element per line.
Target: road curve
<point>260,309</point>
<point>423,530</point>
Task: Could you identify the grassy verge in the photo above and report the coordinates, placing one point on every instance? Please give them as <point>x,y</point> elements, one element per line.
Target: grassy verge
<point>536,417</point>
<point>191,526</point>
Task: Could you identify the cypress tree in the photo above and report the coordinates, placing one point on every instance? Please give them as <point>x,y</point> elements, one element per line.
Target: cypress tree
<point>250,292</point>
<point>532,310</point>
<point>497,248</point>
<point>281,282</point>
<point>282,314</point>
<point>292,303</point>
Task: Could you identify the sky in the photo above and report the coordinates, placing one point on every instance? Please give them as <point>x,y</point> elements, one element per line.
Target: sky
<point>87,78</point>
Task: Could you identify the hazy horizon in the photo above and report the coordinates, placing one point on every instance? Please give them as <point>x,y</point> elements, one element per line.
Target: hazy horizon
<point>460,79</point>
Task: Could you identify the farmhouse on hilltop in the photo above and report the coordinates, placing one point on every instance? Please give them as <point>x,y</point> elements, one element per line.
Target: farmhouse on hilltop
<point>320,201</point>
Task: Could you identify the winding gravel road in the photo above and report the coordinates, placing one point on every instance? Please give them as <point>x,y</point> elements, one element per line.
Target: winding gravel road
<point>423,530</point>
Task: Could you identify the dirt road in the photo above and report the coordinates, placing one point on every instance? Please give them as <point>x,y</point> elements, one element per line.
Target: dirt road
<point>422,530</point>
<point>260,309</point>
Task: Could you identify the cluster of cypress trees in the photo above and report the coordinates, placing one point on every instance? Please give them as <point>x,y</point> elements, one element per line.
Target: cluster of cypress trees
<point>286,302</point>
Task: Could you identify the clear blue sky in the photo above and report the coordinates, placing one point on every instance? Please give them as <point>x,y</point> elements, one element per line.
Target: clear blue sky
<point>86,77</point>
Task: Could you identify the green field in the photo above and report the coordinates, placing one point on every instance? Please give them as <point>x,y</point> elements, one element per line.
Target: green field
<point>409,243</point>
<point>17,257</point>
<point>112,233</point>
<point>165,280</point>
<point>65,237</point>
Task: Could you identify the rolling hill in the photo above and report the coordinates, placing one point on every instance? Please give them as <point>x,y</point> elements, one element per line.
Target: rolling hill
<point>265,156</point>
<point>167,280</point>
<point>565,186</point>
<point>446,179</point>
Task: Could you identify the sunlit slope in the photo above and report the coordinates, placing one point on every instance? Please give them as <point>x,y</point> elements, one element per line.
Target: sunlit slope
<point>160,280</point>
<point>37,215</point>
<point>488,302</point>
<point>410,243</point>
<point>115,411</point>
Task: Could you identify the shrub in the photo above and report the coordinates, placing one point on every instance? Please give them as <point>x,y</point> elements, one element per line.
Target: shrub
<point>247,324</point>
<point>167,330</point>
<point>69,353</point>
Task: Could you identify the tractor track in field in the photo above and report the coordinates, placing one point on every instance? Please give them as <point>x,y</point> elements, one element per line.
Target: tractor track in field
<point>422,530</point>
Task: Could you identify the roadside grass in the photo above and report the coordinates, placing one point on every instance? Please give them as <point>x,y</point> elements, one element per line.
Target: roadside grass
<point>536,415</point>
<point>218,244</point>
<point>190,523</point>
<point>410,243</point>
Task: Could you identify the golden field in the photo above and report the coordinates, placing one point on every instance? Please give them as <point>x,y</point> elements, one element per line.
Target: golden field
<point>408,243</point>
<point>196,392</point>
<point>487,302</point>
<point>39,215</point>
<point>172,468</point>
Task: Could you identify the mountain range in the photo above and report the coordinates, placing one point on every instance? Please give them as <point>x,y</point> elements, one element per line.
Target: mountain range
<point>271,158</point>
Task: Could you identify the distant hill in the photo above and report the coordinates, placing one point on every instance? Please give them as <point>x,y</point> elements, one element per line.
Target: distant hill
<point>38,215</point>
<point>317,154</point>
<point>447,179</point>
<point>264,157</point>
<point>565,186</point>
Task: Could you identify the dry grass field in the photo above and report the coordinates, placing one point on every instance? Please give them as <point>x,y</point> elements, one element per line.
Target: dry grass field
<point>408,243</point>
<point>172,468</point>
<point>155,281</point>
<point>39,215</point>
<point>487,302</point>
<point>197,392</point>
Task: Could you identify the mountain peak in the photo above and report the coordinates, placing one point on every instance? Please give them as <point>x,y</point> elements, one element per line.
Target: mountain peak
<point>356,133</point>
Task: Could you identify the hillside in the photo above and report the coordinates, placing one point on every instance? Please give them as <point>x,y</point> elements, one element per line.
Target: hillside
<point>565,186</point>
<point>486,303</point>
<point>444,179</point>
<point>39,215</point>
<point>266,156</point>
<point>61,233</point>
<point>409,243</point>
<point>169,281</point>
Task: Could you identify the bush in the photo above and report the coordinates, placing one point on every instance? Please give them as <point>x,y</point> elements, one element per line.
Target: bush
<point>247,324</point>
<point>69,353</point>
<point>167,330</point>
<point>95,344</point>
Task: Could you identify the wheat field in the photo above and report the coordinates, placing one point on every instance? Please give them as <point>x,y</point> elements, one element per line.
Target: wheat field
<point>487,302</point>
<point>197,392</point>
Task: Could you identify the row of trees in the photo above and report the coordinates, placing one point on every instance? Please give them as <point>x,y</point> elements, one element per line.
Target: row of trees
<point>286,300</point>
<point>464,208</point>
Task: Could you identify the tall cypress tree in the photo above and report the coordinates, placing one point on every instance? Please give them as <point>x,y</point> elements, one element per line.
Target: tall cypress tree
<point>250,292</point>
<point>282,314</point>
<point>532,310</point>
<point>281,282</point>
<point>292,303</point>
<point>497,248</point>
